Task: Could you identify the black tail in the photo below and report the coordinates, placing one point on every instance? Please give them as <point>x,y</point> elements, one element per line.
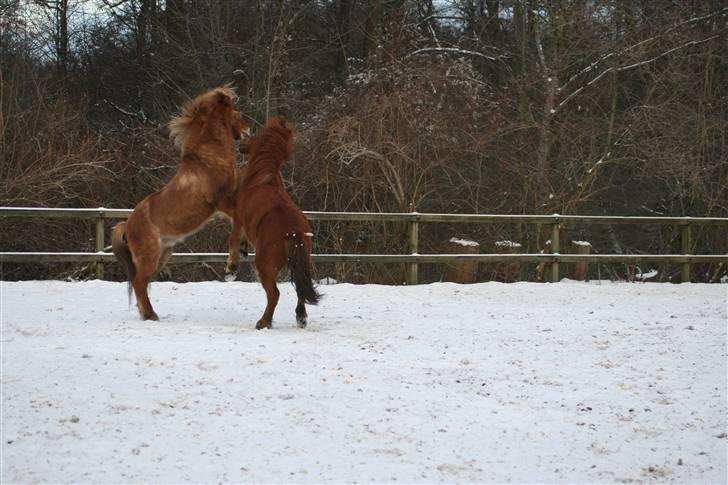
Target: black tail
<point>123,255</point>
<point>299,263</point>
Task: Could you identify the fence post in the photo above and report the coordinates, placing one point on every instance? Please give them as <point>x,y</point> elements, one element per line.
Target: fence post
<point>686,243</point>
<point>413,269</point>
<point>555,249</point>
<point>100,244</point>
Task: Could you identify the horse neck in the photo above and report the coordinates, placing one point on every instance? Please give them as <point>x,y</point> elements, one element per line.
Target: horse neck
<point>262,170</point>
<point>210,137</point>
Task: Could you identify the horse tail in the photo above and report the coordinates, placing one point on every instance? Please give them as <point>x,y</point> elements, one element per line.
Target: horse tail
<point>299,262</point>
<point>121,249</point>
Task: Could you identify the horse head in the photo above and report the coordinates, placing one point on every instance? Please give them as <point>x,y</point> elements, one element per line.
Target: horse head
<point>217,107</point>
<point>275,135</point>
<point>286,134</point>
<point>228,114</point>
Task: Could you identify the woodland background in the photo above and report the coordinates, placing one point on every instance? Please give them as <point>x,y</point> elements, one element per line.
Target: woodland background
<point>465,106</point>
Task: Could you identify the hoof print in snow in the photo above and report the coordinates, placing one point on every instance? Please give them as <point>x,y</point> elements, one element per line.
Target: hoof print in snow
<point>655,471</point>
<point>207,366</point>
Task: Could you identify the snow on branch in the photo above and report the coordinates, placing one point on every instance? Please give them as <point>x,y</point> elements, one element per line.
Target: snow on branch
<point>632,66</point>
<point>451,50</point>
<point>667,52</point>
<point>603,58</point>
<point>131,114</point>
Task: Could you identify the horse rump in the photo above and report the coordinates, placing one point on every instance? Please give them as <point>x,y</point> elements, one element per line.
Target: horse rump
<point>299,263</point>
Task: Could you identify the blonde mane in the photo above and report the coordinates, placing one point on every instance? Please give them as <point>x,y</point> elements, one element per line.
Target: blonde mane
<point>180,124</point>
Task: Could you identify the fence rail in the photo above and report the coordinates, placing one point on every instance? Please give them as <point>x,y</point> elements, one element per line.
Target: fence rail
<point>413,259</point>
<point>106,213</point>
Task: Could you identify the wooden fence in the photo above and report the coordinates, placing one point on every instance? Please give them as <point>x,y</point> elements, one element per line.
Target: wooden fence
<point>413,259</point>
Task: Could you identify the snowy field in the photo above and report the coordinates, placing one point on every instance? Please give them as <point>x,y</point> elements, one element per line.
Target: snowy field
<point>525,382</point>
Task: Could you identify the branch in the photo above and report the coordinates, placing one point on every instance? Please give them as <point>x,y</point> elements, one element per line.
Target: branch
<point>115,5</point>
<point>452,50</point>
<point>131,114</point>
<point>434,35</point>
<point>594,64</point>
<point>632,66</point>
<point>687,44</point>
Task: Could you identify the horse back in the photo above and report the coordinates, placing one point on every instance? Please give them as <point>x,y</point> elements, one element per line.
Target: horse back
<point>270,203</point>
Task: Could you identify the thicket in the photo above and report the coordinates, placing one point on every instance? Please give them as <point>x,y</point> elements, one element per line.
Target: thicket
<point>465,106</point>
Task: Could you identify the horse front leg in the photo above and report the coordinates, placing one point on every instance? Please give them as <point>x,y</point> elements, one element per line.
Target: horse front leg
<point>268,280</point>
<point>237,238</point>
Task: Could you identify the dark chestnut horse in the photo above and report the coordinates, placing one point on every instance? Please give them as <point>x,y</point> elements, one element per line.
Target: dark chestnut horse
<point>266,215</point>
<point>205,132</point>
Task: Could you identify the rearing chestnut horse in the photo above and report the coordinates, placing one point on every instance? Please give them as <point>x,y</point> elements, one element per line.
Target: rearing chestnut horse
<point>267,216</point>
<point>205,132</point>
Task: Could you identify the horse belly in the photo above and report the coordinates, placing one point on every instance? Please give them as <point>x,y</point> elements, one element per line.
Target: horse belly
<point>178,216</point>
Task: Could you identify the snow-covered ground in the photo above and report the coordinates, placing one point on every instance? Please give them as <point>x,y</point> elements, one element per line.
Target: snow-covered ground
<point>525,382</point>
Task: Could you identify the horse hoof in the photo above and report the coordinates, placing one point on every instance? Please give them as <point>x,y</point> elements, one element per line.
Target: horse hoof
<point>230,277</point>
<point>302,322</point>
<point>261,325</point>
<point>152,316</point>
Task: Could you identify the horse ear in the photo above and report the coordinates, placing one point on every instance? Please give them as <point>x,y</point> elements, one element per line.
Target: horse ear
<point>277,121</point>
<point>201,109</point>
<point>224,99</point>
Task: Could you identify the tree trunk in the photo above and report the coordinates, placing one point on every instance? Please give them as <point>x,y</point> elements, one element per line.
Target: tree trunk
<point>544,130</point>
<point>62,37</point>
<point>343,24</point>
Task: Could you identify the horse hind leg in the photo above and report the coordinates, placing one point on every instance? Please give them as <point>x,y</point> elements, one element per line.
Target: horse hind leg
<point>268,261</point>
<point>141,286</point>
<point>301,315</point>
<point>268,280</point>
<point>146,267</point>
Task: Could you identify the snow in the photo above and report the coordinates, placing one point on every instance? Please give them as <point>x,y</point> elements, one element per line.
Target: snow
<point>646,276</point>
<point>507,244</point>
<point>464,242</point>
<point>569,382</point>
<point>581,243</point>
